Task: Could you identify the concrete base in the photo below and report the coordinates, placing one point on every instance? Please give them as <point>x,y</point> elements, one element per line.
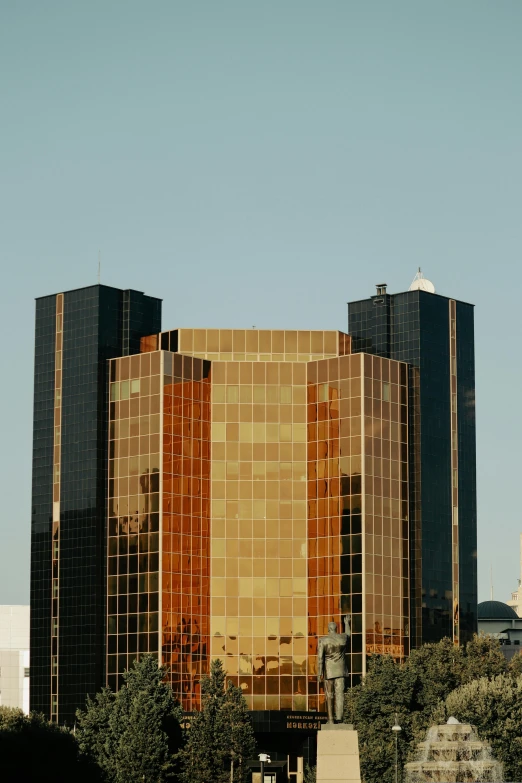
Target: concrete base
<point>338,754</point>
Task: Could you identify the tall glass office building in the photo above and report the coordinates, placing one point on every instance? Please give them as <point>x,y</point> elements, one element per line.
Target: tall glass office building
<point>435,336</point>
<point>77,332</point>
<point>252,486</point>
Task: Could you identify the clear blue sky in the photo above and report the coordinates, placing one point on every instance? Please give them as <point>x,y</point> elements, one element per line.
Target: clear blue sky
<point>264,162</point>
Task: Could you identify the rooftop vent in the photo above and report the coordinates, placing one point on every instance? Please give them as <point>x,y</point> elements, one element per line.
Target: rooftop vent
<point>381,289</point>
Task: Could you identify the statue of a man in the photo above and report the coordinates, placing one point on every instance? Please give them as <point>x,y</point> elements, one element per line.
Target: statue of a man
<point>331,665</point>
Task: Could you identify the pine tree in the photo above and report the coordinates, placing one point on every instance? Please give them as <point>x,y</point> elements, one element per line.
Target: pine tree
<point>515,665</point>
<point>146,723</point>
<point>133,735</point>
<point>220,739</point>
<point>242,744</point>
<point>95,738</point>
<point>310,774</point>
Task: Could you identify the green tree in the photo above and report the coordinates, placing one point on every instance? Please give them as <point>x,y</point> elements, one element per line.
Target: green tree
<point>133,735</point>
<point>220,739</point>
<point>241,734</point>
<point>515,665</point>
<point>483,658</point>
<point>494,706</point>
<point>32,750</point>
<point>438,669</point>
<point>93,732</point>
<point>387,689</point>
<point>414,690</point>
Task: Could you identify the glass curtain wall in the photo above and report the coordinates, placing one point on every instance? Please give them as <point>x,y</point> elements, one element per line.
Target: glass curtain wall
<point>279,493</point>
<point>358,506</point>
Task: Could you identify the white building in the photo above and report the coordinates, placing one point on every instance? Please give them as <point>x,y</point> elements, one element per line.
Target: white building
<point>516,596</point>
<point>14,657</point>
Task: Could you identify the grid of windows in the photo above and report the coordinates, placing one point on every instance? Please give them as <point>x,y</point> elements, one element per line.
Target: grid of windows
<point>251,345</point>
<point>42,504</point>
<point>283,505</point>
<point>414,327</point>
<point>68,592</point>
<point>185,577</point>
<point>158,542</point>
<point>385,505</point>
<point>258,533</point>
<point>294,541</point>
<point>135,445</point>
<point>358,505</point>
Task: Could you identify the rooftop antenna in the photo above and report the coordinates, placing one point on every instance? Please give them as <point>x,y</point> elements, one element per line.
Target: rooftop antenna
<point>99,266</point>
<point>491,579</point>
<point>421,283</point>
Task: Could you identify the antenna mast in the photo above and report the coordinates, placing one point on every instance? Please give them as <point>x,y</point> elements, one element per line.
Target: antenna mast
<point>99,266</point>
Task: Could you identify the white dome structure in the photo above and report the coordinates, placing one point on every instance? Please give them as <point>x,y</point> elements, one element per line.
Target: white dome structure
<point>421,283</point>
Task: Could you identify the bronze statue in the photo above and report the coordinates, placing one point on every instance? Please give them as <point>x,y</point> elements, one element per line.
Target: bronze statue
<point>332,667</point>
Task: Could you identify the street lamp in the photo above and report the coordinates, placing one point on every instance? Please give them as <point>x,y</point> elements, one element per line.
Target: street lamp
<point>396,729</point>
<point>264,758</point>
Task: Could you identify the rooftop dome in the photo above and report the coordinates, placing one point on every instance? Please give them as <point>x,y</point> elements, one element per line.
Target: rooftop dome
<point>421,283</point>
<point>496,610</point>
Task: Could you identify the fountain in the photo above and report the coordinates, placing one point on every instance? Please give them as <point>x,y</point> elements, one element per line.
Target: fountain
<point>453,753</point>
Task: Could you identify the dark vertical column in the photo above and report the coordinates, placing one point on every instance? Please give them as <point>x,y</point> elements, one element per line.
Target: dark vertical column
<point>92,324</point>
<point>467,488</point>
<point>93,329</point>
<point>42,505</point>
<point>99,324</point>
<point>370,325</point>
<point>143,318</point>
<point>435,457</point>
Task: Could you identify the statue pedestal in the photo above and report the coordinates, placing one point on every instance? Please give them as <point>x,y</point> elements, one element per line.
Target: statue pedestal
<point>338,754</point>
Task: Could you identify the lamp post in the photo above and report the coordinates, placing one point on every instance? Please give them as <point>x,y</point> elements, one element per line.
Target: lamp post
<point>263,758</point>
<point>396,729</point>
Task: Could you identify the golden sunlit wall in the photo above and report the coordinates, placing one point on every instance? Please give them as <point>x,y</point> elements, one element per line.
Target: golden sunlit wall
<point>357,506</point>
<point>133,546</point>
<point>274,466</point>
<point>185,577</point>
<point>159,511</point>
<point>385,533</point>
<point>258,531</point>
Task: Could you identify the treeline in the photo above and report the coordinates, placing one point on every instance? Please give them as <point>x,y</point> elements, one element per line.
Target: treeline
<point>134,736</point>
<point>137,734</point>
<point>474,684</point>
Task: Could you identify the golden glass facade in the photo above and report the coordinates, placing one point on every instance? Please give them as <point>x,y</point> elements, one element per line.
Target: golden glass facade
<point>135,472</point>
<point>185,524</point>
<point>258,530</point>
<point>258,490</point>
<point>358,507</point>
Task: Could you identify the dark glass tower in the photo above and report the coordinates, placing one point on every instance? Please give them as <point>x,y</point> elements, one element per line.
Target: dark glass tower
<point>77,332</point>
<point>435,336</point>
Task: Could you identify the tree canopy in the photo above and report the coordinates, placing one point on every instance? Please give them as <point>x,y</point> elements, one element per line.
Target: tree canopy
<point>494,706</point>
<point>221,738</point>
<point>133,735</point>
<point>32,750</point>
<point>414,690</point>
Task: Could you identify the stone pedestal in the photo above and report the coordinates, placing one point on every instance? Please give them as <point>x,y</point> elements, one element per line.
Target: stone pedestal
<point>338,754</point>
